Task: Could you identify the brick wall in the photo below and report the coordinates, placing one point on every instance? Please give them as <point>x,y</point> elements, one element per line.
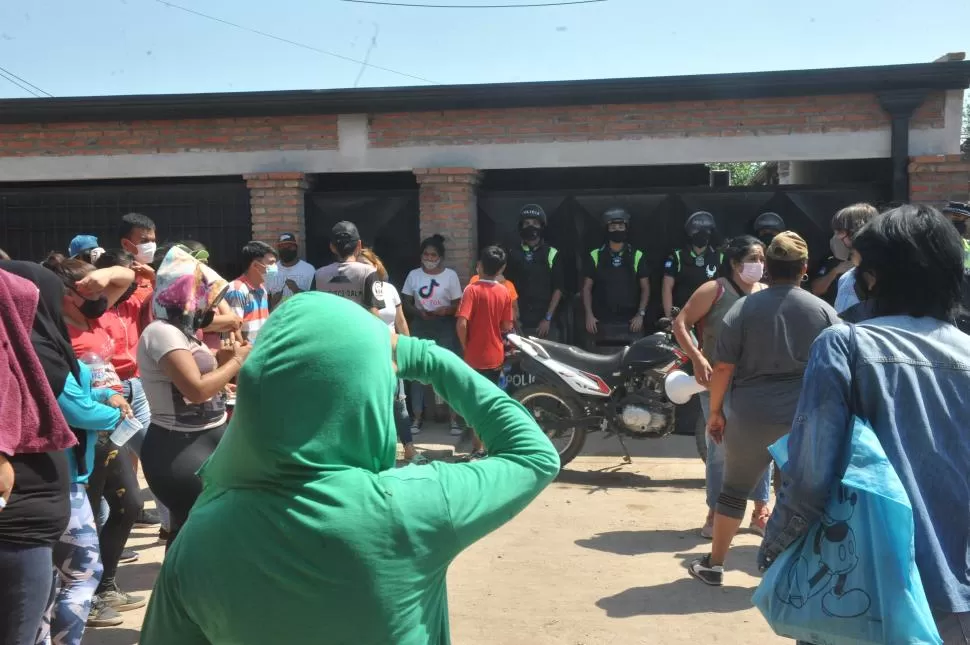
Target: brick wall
<point>728,118</point>
<point>276,201</point>
<point>449,206</point>
<point>192,135</point>
<point>938,179</point>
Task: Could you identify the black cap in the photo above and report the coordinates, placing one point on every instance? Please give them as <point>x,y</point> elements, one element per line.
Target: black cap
<point>286,237</point>
<point>957,208</point>
<point>344,233</point>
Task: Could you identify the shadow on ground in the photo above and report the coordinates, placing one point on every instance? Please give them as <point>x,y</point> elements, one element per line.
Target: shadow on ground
<point>640,542</point>
<point>114,635</point>
<point>742,557</point>
<point>138,577</point>
<point>680,597</point>
<point>616,477</point>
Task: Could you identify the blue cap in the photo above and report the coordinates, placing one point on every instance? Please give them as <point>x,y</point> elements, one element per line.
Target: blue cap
<point>82,243</point>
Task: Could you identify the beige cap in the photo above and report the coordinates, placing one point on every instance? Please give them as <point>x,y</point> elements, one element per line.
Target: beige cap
<point>788,246</point>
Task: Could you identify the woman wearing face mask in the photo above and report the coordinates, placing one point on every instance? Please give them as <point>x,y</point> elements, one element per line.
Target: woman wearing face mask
<point>184,381</point>
<point>95,341</point>
<point>703,313</point>
<point>225,324</point>
<point>431,295</point>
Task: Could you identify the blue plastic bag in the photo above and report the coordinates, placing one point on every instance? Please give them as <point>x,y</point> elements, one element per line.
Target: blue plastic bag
<point>852,579</point>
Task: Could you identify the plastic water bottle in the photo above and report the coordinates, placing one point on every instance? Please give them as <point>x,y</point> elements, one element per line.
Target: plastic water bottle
<point>103,374</point>
<point>127,429</point>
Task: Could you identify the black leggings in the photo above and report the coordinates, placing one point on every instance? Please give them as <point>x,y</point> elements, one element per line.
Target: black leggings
<point>170,460</point>
<point>114,478</point>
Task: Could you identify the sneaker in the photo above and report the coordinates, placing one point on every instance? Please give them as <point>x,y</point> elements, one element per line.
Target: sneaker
<point>759,520</point>
<point>709,574</point>
<point>478,454</point>
<point>416,426</point>
<point>119,600</point>
<point>456,430</point>
<point>102,615</point>
<point>420,460</point>
<point>148,518</point>
<point>128,556</point>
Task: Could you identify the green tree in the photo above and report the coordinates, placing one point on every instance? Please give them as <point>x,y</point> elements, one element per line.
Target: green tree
<point>741,171</point>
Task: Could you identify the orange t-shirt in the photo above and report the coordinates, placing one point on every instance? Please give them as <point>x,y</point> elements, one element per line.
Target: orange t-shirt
<point>485,305</point>
<point>505,283</point>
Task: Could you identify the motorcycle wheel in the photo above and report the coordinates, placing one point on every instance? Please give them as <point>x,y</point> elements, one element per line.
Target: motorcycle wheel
<point>700,436</point>
<point>568,443</point>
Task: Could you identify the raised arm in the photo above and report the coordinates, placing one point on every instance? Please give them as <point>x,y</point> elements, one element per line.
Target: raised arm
<point>482,495</point>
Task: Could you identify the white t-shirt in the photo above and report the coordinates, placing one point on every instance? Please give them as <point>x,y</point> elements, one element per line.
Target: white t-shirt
<point>301,273</point>
<point>433,292</point>
<point>392,300</point>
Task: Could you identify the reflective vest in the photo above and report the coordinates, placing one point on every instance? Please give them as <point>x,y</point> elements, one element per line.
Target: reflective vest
<point>595,254</point>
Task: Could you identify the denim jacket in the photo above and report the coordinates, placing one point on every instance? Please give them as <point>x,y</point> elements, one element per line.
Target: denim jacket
<point>912,383</point>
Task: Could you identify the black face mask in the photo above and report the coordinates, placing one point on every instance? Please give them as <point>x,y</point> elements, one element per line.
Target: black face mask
<point>94,308</point>
<point>766,238</point>
<point>616,236</point>
<point>287,255</point>
<point>127,294</point>
<point>530,233</point>
<point>700,239</point>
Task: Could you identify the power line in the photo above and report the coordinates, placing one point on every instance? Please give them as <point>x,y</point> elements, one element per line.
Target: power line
<point>23,87</point>
<point>8,74</point>
<point>292,42</point>
<point>473,6</point>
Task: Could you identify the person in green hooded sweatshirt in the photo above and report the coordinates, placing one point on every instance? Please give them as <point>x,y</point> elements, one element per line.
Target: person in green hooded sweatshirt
<point>305,532</point>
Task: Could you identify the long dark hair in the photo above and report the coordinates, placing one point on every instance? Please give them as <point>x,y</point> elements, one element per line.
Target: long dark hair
<point>437,242</point>
<point>916,257</point>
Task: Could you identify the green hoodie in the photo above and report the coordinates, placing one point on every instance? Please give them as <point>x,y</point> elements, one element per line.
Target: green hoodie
<point>305,532</point>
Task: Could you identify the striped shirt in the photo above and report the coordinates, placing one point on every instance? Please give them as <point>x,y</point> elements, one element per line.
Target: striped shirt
<point>250,303</point>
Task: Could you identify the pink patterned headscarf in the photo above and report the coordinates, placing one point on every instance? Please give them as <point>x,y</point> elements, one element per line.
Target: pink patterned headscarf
<point>185,289</point>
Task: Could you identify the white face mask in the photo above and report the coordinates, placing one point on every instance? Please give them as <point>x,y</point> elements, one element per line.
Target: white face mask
<point>751,272</point>
<point>839,248</point>
<point>146,252</point>
<point>431,265</point>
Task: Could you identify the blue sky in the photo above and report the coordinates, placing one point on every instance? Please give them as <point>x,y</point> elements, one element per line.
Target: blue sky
<point>89,47</point>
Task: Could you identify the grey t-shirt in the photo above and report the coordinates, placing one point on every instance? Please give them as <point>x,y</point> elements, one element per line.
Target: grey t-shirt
<point>767,336</point>
<point>169,408</point>
<point>352,280</point>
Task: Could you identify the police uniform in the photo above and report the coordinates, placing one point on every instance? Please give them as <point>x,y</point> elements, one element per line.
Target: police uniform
<point>690,270</point>
<point>616,279</point>
<point>963,318</point>
<point>537,273</point>
<point>830,264</point>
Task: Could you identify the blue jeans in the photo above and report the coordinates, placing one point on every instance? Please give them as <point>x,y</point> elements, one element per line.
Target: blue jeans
<point>77,564</point>
<point>24,593</point>
<point>714,468</point>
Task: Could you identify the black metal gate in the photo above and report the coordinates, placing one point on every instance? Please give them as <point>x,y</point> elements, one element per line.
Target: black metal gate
<point>658,217</point>
<point>387,221</point>
<point>35,220</point>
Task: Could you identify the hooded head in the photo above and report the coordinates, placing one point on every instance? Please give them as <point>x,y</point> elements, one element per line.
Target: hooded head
<point>308,403</point>
<point>185,290</point>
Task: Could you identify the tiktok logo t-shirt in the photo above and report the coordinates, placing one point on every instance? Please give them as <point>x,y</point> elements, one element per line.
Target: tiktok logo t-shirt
<point>432,292</point>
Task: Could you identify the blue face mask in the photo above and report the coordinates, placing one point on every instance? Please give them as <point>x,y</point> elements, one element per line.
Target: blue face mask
<point>271,270</point>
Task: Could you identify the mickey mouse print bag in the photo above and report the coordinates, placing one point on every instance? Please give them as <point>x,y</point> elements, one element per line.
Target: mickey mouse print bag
<point>852,579</point>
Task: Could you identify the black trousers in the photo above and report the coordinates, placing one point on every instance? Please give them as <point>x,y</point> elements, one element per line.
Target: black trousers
<point>170,460</point>
<point>114,478</point>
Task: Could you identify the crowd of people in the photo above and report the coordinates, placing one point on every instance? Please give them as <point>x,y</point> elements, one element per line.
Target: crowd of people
<point>138,356</point>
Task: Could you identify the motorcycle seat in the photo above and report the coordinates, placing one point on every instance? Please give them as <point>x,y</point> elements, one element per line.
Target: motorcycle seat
<point>603,365</point>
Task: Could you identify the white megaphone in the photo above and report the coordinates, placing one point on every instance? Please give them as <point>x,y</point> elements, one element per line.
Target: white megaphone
<point>680,387</point>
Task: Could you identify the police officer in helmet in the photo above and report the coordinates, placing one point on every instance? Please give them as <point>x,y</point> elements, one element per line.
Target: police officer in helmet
<point>767,226</point>
<point>688,268</point>
<point>959,215</point>
<point>616,288</point>
<point>535,268</point>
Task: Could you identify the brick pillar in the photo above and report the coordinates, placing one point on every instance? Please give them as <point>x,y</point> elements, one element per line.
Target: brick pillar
<point>276,202</point>
<point>937,179</point>
<point>449,206</point>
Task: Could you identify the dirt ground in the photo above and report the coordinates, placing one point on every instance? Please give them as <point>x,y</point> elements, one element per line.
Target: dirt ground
<point>598,558</point>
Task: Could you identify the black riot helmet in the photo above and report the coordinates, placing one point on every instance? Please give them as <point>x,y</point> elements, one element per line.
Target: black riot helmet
<point>616,215</point>
<point>698,222</point>
<point>769,221</point>
<point>533,211</point>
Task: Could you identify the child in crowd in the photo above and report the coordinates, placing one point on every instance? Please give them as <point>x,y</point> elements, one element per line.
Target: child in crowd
<point>485,313</point>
